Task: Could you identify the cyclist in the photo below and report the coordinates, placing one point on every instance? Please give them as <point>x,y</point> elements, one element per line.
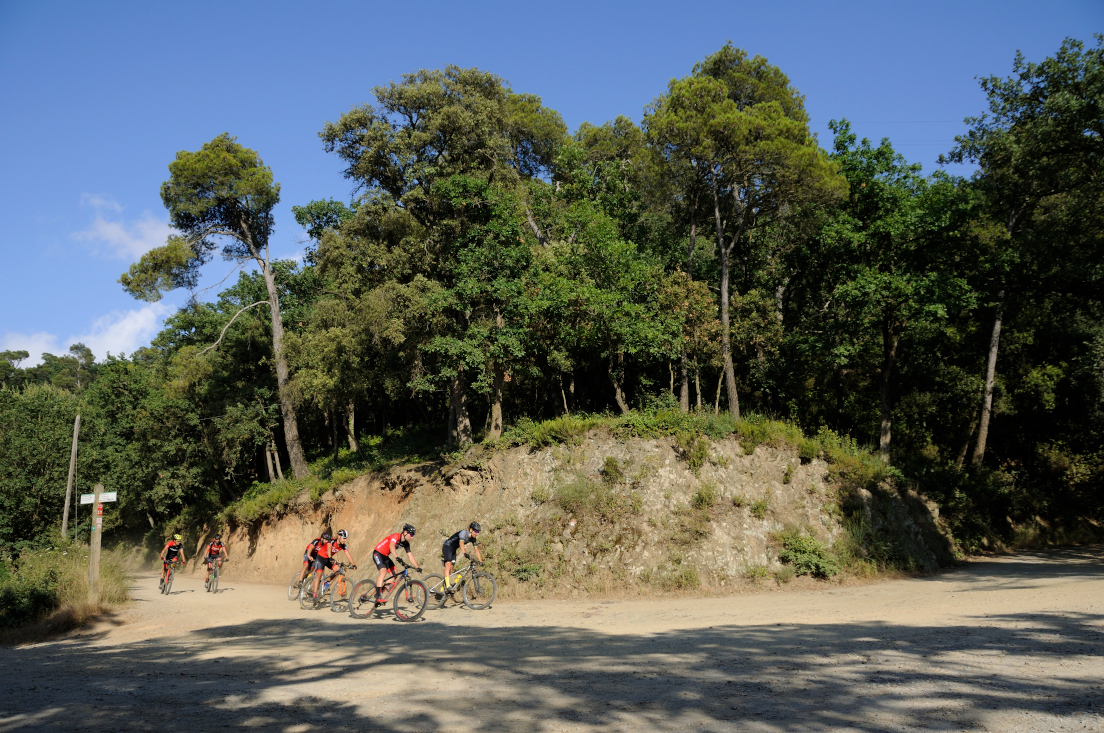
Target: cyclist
<point>457,541</point>
<point>382,556</point>
<point>308,555</point>
<point>173,550</point>
<point>216,551</point>
<point>324,556</point>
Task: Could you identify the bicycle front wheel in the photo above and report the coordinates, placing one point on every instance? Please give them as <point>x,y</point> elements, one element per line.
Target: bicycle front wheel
<point>307,599</point>
<point>362,600</point>
<point>479,591</point>
<point>168,581</point>
<point>340,590</point>
<point>410,600</point>
<point>293,587</point>
<point>214,579</point>
<point>435,584</point>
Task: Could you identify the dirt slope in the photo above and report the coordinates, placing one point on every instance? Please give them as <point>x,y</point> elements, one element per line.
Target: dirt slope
<point>647,531</point>
<point>1009,644</point>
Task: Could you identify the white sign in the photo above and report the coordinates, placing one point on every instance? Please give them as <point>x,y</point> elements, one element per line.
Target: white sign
<point>105,496</point>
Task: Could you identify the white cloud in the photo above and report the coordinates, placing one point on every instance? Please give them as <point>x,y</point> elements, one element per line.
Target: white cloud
<point>125,240</point>
<point>33,343</point>
<point>118,332</point>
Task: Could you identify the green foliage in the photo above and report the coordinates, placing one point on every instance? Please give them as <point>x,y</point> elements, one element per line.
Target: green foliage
<point>585,498</point>
<point>807,555</point>
<point>787,475</point>
<point>706,496</point>
<point>527,571</point>
<point>694,449</point>
<point>611,472</point>
<point>760,507</point>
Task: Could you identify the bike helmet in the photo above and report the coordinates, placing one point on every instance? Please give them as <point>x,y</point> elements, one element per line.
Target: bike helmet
<point>475,527</point>
<point>177,537</point>
<point>217,537</point>
<point>342,534</point>
<point>409,529</point>
<point>327,536</point>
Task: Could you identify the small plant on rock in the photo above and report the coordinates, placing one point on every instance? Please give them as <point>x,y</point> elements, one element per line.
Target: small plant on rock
<point>787,475</point>
<point>694,449</point>
<point>705,497</point>
<point>759,507</point>
<point>611,472</point>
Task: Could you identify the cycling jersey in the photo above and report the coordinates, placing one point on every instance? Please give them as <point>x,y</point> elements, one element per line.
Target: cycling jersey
<point>461,536</point>
<point>384,548</point>
<point>323,550</point>
<point>214,549</point>
<point>172,549</point>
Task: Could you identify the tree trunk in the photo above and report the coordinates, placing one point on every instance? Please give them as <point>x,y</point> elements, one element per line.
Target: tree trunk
<point>726,343</point>
<point>684,384</point>
<point>299,468</point>
<point>335,438</point>
<point>461,431</point>
<point>717,401</point>
<point>268,462</point>
<point>567,411</point>
<point>276,459</point>
<point>889,346</point>
<point>615,380</point>
<point>496,405</point>
<point>697,388</point>
<point>350,413</point>
<point>571,389</point>
<point>990,375</point>
<point>966,443</point>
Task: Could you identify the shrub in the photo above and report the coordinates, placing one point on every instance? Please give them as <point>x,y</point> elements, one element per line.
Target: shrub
<point>583,497</point>
<point>611,472</point>
<point>759,507</point>
<point>787,475</point>
<point>526,571</point>
<point>807,450</point>
<point>807,555</point>
<point>756,572</point>
<point>540,495</point>
<point>705,497</point>
<point>692,448</point>
<point>738,500</point>
<point>784,574</point>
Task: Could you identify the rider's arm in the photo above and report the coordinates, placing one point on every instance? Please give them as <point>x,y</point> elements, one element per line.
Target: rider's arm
<point>346,551</point>
<point>477,553</point>
<point>413,560</point>
<point>462,550</point>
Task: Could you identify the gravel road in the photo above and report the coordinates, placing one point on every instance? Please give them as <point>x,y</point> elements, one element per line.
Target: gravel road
<point>1005,644</point>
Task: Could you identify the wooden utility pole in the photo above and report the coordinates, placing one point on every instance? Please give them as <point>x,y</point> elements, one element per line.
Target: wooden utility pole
<point>97,533</point>
<point>72,472</point>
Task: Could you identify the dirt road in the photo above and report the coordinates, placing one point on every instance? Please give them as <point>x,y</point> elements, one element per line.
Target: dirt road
<point>1009,644</point>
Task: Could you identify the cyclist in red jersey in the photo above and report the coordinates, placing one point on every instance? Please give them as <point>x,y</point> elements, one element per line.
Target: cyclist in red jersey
<point>382,556</point>
<point>308,555</point>
<point>215,552</point>
<point>325,554</point>
<point>172,550</point>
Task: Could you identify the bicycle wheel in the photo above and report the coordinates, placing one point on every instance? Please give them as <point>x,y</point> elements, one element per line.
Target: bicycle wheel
<point>340,589</point>
<point>435,585</point>
<point>168,581</point>
<point>362,600</point>
<point>307,601</point>
<point>479,591</point>
<point>410,600</point>
<point>214,579</point>
<point>293,587</point>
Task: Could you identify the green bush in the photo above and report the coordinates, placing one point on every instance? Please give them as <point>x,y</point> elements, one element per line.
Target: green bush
<point>705,497</point>
<point>787,475</point>
<point>692,448</point>
<point>807,555</point>
<point>808,450</point>
<point>583,497</point>
<point>759,507</point>
<point>526,571</point>
<point>611,472</point>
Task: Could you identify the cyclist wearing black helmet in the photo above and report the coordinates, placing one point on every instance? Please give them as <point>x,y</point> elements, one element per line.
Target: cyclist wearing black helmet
<point>216,551</point>
<point>308,555</point>
<point>382,555</point>
<point>456,542</point>
<point>324,555</point>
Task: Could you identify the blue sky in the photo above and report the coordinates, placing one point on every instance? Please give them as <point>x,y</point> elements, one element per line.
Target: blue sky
<point>98,97</point>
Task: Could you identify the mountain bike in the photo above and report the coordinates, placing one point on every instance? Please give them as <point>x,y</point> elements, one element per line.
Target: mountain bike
<point>165,581</point>
<point>337,586</point>
<point>410,595</point>
<point>211,581</point>
<point>478,588</point>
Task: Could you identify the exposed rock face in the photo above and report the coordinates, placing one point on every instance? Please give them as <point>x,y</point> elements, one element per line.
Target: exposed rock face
<point>650,527</point>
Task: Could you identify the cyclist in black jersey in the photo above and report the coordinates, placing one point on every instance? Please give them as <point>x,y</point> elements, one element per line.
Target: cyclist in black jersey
<point>457,542</point>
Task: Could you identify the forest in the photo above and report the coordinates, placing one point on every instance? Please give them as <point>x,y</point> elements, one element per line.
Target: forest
<point>493,269</point>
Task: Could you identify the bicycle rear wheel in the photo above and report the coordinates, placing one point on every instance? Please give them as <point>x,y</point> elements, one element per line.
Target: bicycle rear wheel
<point>435,585</point>
<point>340,590</point>
<point>479,591</point>
<point>293,587</point>
<point>362,600</point>
<point>410,600</point>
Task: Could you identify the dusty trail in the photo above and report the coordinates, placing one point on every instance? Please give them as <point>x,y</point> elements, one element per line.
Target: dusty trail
<point>1008,644</point>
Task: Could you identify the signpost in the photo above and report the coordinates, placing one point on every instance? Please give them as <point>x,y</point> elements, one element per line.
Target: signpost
<point>105,497</point>
<point>69,485</point>
<point>98,495</point>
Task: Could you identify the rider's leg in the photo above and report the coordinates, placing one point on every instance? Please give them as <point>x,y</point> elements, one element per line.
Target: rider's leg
<point>379,582</point>
<point>317,579</point>
<point>303,572</point>
<point>448,572</point>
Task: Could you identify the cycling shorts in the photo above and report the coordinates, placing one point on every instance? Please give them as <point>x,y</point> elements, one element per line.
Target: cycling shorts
<point>449,552</point>
<point>212,558</point>
<point>383,562</point>
<point>323,562</point>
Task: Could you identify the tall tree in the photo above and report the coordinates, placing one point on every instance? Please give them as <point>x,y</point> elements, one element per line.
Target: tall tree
<point>222,191</point>
<point>1042,137</point>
